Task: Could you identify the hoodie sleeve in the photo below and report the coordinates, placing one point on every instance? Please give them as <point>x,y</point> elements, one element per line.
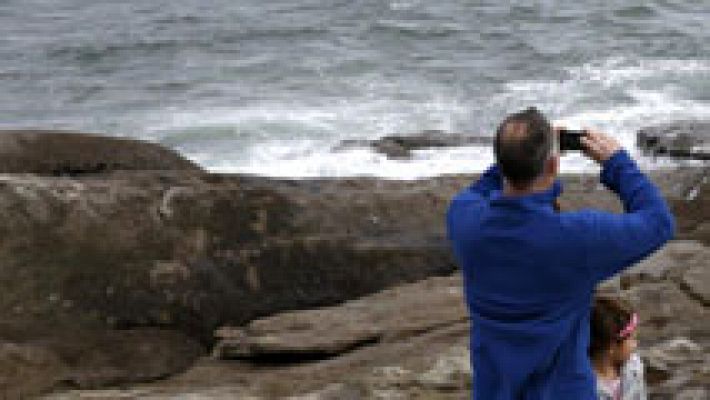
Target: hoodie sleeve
<point>617,241</point>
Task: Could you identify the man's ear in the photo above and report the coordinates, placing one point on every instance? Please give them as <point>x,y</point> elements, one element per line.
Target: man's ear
<point>552,165</point>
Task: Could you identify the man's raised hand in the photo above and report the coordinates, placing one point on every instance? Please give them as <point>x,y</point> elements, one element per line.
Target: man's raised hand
<point>598,146</point>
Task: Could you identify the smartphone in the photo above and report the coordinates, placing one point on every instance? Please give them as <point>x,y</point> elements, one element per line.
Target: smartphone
<point>570,140</point>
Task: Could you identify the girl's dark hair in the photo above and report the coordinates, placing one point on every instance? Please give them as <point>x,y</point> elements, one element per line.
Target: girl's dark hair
<point>609,317</point>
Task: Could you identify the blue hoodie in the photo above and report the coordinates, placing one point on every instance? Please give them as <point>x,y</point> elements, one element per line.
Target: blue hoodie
<point>530,273</point>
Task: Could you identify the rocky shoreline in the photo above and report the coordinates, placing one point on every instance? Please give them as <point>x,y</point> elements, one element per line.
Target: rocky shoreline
<point>156,277</point>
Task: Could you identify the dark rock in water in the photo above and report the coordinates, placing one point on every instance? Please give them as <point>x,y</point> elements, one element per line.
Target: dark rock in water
<point>70,154</point>
<point>401,146</point>
<point>682,139</point>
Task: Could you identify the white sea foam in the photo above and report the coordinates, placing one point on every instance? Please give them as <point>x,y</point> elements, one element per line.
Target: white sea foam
<point>357,118</point>
<point>617,96</point>
<point>308,159</point>
<point>404,4</point>
<point>649,108</point>
<point>647,92</point>
<point>614,71</point>
<point>176,120</point>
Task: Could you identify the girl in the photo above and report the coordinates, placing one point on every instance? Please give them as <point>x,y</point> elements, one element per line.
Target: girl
<point>612,350</point>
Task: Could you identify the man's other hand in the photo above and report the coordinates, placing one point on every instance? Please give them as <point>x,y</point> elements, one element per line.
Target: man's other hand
<point>598,146</point>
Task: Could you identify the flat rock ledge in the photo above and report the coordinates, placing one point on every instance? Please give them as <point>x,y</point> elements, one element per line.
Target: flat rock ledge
<point>386,316</point>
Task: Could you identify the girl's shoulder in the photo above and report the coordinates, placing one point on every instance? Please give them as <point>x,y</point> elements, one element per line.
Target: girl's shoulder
<point>633,368</point>
<point>607,389</point>
<point>632,379</point>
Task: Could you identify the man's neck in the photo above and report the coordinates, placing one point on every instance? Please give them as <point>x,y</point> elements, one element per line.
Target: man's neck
<point>538,185</point>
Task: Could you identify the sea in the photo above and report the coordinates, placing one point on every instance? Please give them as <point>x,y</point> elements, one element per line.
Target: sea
<point>271,87</point>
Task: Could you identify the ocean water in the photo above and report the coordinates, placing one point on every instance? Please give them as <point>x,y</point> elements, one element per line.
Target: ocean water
<point>271,87</point>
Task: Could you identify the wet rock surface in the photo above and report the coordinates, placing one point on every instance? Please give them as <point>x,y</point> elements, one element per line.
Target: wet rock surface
<point>681,139</point>
<point>402,146</point>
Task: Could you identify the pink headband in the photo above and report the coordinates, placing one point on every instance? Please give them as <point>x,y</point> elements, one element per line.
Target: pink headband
<point>630,327</point>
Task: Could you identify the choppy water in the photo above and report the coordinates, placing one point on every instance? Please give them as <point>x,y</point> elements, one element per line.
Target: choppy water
<point>269,87</point>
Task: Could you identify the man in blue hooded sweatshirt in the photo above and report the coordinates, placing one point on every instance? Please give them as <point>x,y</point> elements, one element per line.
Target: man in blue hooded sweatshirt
<point>530,272</point>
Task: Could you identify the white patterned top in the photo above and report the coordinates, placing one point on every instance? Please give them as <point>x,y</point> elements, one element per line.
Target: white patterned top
<point>632,385</point>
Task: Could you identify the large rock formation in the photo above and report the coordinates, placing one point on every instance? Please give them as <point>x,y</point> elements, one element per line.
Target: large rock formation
<point>180,250</point>
<point>103,271</point>
<point>191,253</point>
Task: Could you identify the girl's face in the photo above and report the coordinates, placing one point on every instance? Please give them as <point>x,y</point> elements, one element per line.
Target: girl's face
<point>623,350</point>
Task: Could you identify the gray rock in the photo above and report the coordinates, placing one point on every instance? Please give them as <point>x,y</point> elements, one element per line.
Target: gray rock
<point>693,212</point>
<point>44,355</point>
<point>335,391</point>
<point>696,282</point>
<point>693,394</point>
<point>118,357</point>
<point>681,139</point>
<point>669,263</point>
<point>133,250</point>
<point>666,311</point>
<point>401,146</point>
<point>675,366</point>
<point>669,354</point>
<point>28,370</point>
<point>68,153</point>
<point>452,371</point>
<point>390,315</point>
